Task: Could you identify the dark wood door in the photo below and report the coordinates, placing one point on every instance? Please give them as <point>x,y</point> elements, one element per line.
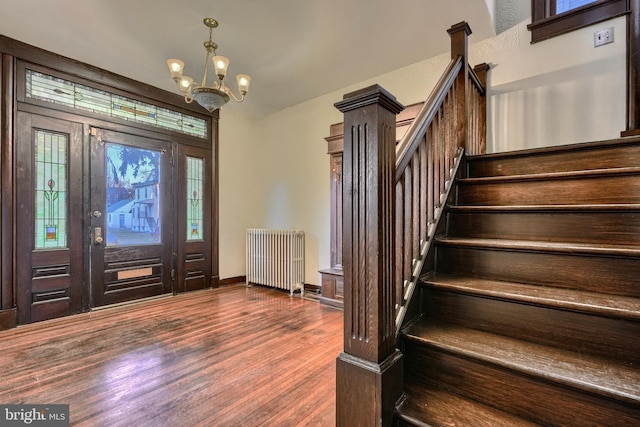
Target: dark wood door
<point>193,203</point>
<point>49,218</point>
<point>131,229</point>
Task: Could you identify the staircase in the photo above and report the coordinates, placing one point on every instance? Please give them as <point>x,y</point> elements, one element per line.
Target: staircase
<point>531,315</point>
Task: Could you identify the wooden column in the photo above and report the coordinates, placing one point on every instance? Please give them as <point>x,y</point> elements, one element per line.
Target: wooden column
<point>8,317</point>
<point>369,371</point>
<point>459,34</point>
<point>633,70</point>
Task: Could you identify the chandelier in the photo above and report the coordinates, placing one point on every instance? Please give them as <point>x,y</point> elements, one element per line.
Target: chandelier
<point>217,94</point>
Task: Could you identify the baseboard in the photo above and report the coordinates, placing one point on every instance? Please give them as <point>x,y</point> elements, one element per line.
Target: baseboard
<point>8,319</point>
<point>331,302</point>
<point>232,280</point>
<point>315,289</point>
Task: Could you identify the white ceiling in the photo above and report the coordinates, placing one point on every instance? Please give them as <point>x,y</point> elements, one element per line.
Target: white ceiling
<point>294,50</point>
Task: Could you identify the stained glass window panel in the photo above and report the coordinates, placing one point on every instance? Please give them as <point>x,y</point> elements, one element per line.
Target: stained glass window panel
<point>74,95</point>
<point>93,100</point>
<point>195,179</point>
<point>51,192</point>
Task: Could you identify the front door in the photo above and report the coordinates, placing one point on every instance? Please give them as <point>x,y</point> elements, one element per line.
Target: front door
<point>131,217</point>
<point>104,217</point>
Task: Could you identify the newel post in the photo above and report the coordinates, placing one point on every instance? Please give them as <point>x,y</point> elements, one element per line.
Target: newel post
<point>369,370</point>
<point>459,34</point>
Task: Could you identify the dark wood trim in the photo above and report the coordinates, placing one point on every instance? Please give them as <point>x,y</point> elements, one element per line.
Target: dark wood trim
<point>193,257</point>
<point>633,70</point>
<point>24,102</point>
<point>103,122</point>
<point>8,319</point>
<point>546,24</point>
<point>215,202</point>
<point>232,280</point>
<point>15,57</point>
<point>73,67</point>
<point>7,108</point>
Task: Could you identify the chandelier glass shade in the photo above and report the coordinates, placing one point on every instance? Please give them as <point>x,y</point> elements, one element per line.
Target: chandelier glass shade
<point>216,94</point>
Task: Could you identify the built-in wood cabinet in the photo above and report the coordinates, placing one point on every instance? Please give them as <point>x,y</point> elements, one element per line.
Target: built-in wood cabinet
<point>332,278</point>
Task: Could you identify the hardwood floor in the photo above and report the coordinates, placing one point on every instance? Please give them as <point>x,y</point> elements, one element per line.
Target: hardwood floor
<point>233,356</point>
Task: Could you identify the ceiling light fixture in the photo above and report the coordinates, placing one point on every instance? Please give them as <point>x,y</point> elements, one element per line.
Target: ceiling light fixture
<point>217,94</point>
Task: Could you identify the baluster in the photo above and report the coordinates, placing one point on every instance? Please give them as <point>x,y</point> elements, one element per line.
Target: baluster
<point>399,237</point>
<point>415,202</point>
<point>430,172</point>
<point>424,221</point>
<point>406,244</point>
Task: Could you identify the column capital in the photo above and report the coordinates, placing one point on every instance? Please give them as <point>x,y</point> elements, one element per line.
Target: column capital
<point>371,95</point>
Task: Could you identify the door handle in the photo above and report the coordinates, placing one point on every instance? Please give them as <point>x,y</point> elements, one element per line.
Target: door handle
<point>97,239</point>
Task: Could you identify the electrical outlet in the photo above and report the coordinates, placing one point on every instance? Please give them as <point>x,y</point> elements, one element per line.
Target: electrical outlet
<point>602,37</point>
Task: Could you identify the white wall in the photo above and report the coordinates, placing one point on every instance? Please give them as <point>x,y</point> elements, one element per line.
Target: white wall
<point>559,91</point>
<point>274,171</point>
<point>240,204</point>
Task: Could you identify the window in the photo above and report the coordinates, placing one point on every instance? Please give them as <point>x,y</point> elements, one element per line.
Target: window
<point>550,18</point>
<point>74,95</point>
<point>565,5</point>
<point>51,190</point>
<point>195,202</point>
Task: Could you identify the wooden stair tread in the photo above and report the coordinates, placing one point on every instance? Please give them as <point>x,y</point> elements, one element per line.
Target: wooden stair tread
<point>551,176</point>
<point>567,148</point>
<point>428,405</point>
<point>613,207</point>
<point>544,246</point>
<point>561,298</point>
<point>591,374</point>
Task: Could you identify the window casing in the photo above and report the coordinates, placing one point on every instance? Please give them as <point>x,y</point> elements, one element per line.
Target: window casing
<point>546,23</point>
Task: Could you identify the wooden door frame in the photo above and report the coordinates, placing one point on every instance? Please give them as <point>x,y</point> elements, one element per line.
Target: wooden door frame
<point>95,201</point>
<point>193,258</point>
<point>58,267</point>
<point>13,53</point>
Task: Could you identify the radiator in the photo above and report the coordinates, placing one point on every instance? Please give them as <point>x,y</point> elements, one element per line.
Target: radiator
<point>276,258</point>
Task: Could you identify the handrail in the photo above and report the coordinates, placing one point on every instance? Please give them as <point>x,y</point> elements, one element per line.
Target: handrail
<point>450,124</point>
<point>426,114</point>
<point>475,80</point>
<point>390,219</point>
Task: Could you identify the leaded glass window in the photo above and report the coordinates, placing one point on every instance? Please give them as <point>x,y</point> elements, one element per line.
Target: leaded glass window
<point>51,192</point>
<point>195,177</point>
<point>74,95</point>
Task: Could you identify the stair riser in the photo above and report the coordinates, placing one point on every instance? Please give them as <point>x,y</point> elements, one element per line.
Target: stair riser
<point>589,334</point>
<point>614,228</point>
<point>536,399</point>
<point>618,276</point>
<point>610,156</point>
<point>606,189</point>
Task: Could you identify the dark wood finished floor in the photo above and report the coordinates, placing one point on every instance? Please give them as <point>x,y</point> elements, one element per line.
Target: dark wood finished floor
<point>234,356</point>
